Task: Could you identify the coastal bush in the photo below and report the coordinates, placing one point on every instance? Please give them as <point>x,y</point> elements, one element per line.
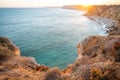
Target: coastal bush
<point>41,68</point>
<point>5,54</point>
<point>4,40</point>
<point>117,55</point>
<point>53,74</point>
<point>6,48</point>
<point>6,43</point>
<point>97,74</point>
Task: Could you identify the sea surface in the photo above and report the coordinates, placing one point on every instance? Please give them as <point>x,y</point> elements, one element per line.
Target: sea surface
<point>50,35</point>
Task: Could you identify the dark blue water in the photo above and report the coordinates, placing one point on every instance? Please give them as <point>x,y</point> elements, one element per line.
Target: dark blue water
<point>48,34</point>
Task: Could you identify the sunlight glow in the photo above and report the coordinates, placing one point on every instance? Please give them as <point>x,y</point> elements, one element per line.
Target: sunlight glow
<point>86,3</point>
<point>43,3</point>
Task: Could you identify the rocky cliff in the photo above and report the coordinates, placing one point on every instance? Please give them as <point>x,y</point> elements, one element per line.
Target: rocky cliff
<point>98,59</point>
<point>107,11</point>
<point>75,7</point>
<point>16,67</point>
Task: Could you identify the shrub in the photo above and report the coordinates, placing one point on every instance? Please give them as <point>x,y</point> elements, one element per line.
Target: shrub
<point>53,74</point>
<point>97,74</point>
<point>4,40</point>
<point>5,54</point>
<point>6,49</point>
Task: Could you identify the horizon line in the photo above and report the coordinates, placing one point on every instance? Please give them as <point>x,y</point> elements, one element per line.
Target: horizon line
<point>54,6</point>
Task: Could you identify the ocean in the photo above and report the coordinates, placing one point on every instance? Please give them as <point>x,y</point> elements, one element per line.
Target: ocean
<point>50,35</point>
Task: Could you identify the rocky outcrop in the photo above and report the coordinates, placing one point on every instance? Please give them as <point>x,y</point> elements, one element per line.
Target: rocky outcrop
<point>107,11</point>
<point>75,7</point>
<point>100,47</point>
<point>98,56</point>
<point>16,67</point>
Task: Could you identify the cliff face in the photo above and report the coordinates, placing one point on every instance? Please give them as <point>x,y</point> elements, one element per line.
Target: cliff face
<point>107,11</point>
<point>75,7</point>
<point>100,47</point>
<point>15,67</point>
<point>98,58</point>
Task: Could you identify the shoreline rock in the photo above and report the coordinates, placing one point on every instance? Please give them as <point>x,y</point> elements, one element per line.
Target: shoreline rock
<point>107,11</point>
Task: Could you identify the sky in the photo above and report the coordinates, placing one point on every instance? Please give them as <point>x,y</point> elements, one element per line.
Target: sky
<point>50,3</point>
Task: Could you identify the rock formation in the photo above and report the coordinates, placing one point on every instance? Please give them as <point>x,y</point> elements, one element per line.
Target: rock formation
<point>97,55</point>
<point>16,67</point>
<point>107,11</point>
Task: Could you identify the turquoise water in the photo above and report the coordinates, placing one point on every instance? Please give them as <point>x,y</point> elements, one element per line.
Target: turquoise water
<point>48,34</point>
